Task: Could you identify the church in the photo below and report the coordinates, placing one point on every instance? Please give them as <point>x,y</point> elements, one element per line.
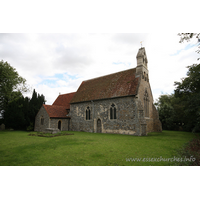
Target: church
<point>120,103</point>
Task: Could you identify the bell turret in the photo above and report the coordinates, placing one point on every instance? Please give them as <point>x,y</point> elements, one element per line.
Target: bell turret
<point>142,58</point>
<point>142,64</point>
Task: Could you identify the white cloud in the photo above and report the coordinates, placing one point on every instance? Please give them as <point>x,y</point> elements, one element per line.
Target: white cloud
<point>43,58</point>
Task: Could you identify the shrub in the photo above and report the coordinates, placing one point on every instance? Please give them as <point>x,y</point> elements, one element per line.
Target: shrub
<point>190,150</point>
<point>30,127</point>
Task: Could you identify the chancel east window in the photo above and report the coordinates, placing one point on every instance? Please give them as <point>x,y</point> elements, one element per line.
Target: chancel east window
<point>88,117</point>
<point>113,112</point>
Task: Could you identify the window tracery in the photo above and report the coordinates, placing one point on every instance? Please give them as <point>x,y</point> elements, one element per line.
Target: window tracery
<point>88,117</point>
<point>113,111</point>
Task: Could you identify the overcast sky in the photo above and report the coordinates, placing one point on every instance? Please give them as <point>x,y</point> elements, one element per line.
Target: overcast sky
<point>58,63</point>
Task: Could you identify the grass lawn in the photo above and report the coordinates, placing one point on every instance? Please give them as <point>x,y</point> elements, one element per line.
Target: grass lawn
<point>17,148</point>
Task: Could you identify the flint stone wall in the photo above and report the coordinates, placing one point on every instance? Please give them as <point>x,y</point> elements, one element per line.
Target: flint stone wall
<point>65,123</point>
<point>38,126</point>
<point>130,117</point>
<point>49,122</point>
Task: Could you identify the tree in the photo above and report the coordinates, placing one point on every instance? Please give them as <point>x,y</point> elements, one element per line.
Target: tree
<point>20,112</point>
<point>10,82</point>
<point>182,109</point>
<point>14,115</point>
<point>35,104</point>
<point>188,36</point>
<point>166,111</point>
<point>189,91</point>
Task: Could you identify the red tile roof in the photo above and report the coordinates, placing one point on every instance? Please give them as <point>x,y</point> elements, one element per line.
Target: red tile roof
<point>64,100</point>
<point>60,106</point>
<point>56,111</point>
<point>114,85</point>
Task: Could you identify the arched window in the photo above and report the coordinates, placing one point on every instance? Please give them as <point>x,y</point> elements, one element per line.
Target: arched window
<point>146,104</point>
<point>113,112</point>
<point>42,120</point>
<point>88,117</point>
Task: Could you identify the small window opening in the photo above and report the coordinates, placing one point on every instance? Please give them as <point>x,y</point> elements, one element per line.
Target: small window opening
<point>113,112</point>
<point>88,117</point>
<point>42,120</point>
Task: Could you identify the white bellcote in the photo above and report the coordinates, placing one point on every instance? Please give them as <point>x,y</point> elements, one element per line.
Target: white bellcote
<point>142,64</point>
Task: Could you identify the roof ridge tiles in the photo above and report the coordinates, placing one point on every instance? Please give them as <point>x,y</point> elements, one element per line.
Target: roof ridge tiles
<point>109,74</point>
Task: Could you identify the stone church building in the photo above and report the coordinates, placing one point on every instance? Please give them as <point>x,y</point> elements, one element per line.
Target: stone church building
<point>120,103</point>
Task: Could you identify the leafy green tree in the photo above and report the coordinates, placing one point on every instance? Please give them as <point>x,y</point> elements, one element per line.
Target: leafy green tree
<point>182,109</point>
<point>10,82</point>
<point>18,112</point>
<point>189,91</point>
<point>166,111</point>
<point>14,116</point>
<point>171,112</point>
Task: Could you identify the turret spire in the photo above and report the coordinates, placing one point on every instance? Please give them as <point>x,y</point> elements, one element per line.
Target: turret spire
<point>142,67</point>
<point>142,58</point>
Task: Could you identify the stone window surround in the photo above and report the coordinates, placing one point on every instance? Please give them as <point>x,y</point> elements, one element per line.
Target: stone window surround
<point>109,112</point>
<point>101,127</point>
<point>85,113</point>
<point>91,117</point>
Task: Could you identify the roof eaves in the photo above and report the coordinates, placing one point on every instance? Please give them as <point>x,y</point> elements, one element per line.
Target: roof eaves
<point>104,99</point>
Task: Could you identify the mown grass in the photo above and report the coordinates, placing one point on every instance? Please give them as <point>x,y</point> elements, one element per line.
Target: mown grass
<point>17,148</point>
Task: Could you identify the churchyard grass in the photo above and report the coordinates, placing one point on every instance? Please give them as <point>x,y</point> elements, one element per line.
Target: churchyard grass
<point>17,148</point>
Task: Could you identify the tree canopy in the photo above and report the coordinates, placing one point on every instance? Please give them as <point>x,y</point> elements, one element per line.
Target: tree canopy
<point>188,36</point>
<point>18,112</point>
<point>181,110</point>
<point>11,84</point>
<point>189,91</point>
